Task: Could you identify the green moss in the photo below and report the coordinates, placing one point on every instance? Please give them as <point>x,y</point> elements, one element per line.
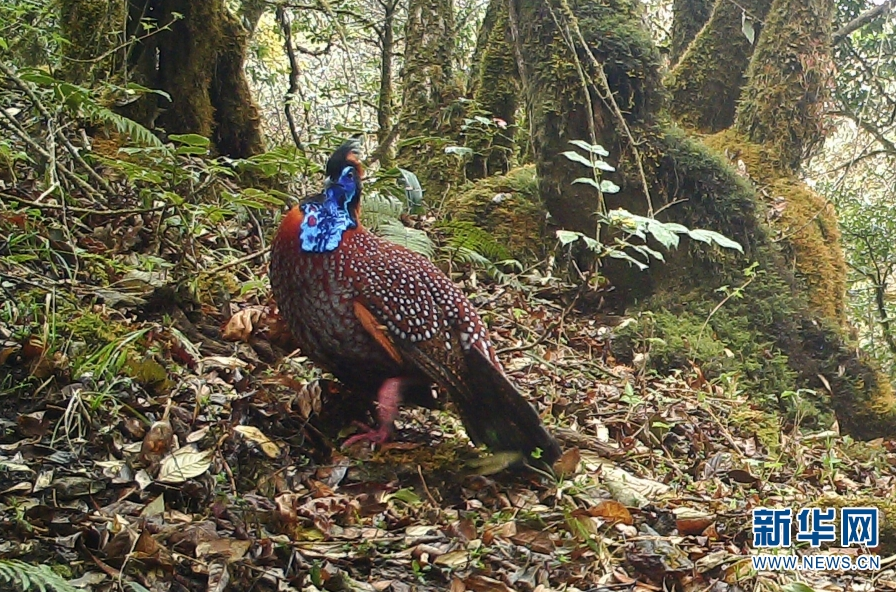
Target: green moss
<point>811,244</point>
<point>704,96</point>
<point>886,505</point>
<point>94,329</point>
<point>759,160</point>
<point>764,425</point>
<point>509,208</point>
<point>496,95</point>
<point>91,28</point>
<point>431,113</point>
<point>558,105</point>
<point>802,222</point>
<point>680,333</point>
<point>778,341</point>
<point>688,17</point>
<point>783,104</point>
<point>237,122</point>
<point>186,64</point>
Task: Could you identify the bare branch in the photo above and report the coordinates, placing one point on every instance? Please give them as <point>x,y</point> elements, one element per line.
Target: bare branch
<point>871,129</point>
<point>59,134</point>
<point>19,131</point>
<point>286,28</point>
<point>862,20</point>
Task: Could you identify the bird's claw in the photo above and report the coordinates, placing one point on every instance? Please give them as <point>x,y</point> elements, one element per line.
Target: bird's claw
<point>377,436</point>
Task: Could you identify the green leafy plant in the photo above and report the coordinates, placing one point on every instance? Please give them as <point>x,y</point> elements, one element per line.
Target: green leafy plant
<point>382,214</point>
<point>84,102</point>
<point>465,243</point>
<point>630,225</point>
<point>28,577</point>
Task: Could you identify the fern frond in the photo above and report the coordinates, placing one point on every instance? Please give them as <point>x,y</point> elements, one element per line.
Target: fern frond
<point>467,243</point>
<point>413,239</point>
<point>379,209</point>
<point>27,577</point>
<point>381,214</point>
<point>465,255</point>
<point>465,234</point>
<point>85,99</point>
<point>137,132</point>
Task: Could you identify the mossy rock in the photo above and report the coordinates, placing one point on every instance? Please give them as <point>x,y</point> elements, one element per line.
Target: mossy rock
<point>680,333</point>
<point>508,207</point>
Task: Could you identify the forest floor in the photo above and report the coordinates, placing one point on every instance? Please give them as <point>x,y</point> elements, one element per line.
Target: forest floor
<point>152,440</point>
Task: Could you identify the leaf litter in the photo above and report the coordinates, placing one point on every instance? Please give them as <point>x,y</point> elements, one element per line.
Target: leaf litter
<point>200,451</point>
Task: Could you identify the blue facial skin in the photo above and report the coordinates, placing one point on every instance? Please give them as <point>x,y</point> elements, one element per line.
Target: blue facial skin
<point>324,222</point>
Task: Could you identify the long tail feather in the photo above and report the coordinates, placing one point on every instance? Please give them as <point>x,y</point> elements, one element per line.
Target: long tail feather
<point>497,415</point>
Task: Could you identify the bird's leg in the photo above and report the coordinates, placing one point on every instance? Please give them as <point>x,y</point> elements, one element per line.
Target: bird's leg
<point>387,401</point>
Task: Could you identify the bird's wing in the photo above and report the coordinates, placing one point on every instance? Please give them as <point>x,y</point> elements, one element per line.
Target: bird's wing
<point>377,330</point>
<point>424,321</point>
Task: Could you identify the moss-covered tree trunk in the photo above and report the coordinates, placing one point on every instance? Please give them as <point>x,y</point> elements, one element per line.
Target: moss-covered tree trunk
<point>560,111</point>
<point>430,118</point>
<point>688,17</point>
<point>196,57</point>
<point>496,91</point>
<point>384,101</point>
<point>494,9</point>
<point>706,81</point>
<point>93,31</point>
<point>779,121</point>
<point>780,342</point>
<point>783,104</point>
<point>251,12</point>
<point>201,61</point>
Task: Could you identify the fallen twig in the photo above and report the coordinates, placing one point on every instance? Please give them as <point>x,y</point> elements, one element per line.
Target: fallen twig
<point>238,261</point>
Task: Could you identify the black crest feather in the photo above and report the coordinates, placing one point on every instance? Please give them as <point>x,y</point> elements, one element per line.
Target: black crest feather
<point>347,154</point>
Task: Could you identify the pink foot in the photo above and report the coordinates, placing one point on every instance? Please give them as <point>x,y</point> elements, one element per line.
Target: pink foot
<point>375,436</point>
<point>388,399</point>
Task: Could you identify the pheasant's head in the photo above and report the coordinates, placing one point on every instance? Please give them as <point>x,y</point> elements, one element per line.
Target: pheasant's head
<point>344,172</point>
<point>326,220</point>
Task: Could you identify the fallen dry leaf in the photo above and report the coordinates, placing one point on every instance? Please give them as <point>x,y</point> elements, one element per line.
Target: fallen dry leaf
<point>241,325</point>
<point>270,449</point>
<point>692,521</point>
<point>612,511</point>
<point>536,540</point>
<point>568,462</point>
<point>184,464</point>
<point>454,559</point>
<point>482,583</point>
<point>228,549</point>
